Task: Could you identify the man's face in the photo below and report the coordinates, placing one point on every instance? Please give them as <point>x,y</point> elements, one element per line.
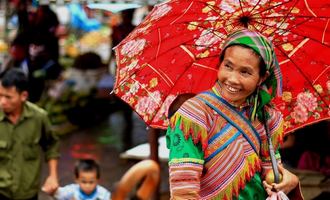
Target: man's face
<point>11,100</point>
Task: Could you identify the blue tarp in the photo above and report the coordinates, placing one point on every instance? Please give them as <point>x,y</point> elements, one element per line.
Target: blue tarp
<point>79,19</point>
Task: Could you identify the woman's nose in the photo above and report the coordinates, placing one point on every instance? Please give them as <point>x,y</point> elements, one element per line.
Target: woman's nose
<point>233,78</point>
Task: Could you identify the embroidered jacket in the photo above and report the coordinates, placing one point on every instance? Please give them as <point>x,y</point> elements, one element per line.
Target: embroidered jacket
<point>220,160</point>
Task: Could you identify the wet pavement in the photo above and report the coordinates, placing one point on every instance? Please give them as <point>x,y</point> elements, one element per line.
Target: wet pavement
<point>102,142</point>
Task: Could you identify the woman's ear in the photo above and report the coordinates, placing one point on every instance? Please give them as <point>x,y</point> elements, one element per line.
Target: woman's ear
<point>262,79</point>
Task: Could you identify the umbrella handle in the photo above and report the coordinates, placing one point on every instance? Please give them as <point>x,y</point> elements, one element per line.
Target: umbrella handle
<point>271,150</point>
<point>273,160</point>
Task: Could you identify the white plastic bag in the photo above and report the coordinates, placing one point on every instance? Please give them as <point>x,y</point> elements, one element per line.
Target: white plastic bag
<point>278,196</point>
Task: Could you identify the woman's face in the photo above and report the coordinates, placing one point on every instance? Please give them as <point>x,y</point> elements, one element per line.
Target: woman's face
<point>238,74</point>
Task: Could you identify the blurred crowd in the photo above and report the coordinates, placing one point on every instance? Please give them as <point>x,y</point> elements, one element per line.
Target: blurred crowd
<point>33,80</point>
<point>77,94</point>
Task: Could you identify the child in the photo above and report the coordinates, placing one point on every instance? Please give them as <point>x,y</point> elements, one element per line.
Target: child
<point>87,173</point>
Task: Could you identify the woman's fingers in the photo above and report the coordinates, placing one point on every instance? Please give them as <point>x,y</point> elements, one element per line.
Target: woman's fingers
<point>288,183</point>
<point>268,188</point>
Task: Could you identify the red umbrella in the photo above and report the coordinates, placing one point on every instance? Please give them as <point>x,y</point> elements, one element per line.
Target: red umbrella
<point>176,48</point>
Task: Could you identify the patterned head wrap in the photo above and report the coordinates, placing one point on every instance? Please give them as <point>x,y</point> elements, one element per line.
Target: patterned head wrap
<point>272,86</point>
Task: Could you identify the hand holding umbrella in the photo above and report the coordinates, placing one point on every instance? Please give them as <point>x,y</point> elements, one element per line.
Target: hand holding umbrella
<point>287,184</point>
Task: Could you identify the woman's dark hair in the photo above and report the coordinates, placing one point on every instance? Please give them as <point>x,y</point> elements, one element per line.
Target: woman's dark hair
<point>262,65</point>
<point>14,77</point>
<point>86,165</point>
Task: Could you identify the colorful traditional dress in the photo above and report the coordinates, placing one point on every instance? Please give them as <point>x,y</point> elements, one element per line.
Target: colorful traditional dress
<point>215,153</point>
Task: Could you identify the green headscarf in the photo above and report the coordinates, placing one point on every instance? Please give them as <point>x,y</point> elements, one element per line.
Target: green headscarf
<point>272,86</point>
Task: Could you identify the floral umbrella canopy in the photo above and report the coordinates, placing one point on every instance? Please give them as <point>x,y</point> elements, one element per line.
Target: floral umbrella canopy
<point>176,50</point>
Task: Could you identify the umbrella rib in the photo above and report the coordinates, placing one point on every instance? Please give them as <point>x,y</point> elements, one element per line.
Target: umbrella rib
<point>309,9</point>
<point>286,17</point>
<point>159,42</point>
<point>182,14</point>
<point>325,28</point>
<point>287,41</point>
<point>240,5</point>
<point>149,93</point>
<point>282,29</point>
<point>188,52</point>
<point>204,66</point>
<point>214,8</point>
<point>277,5</point>
<point>294,32</point>
<point>169,82</point>
<point>255,27</point>
<point>296,16</point>
<point>328,67</point>
<point>295,50</point>
<point>269,8</point>
<point>255,6</point>
<point>303,74</point>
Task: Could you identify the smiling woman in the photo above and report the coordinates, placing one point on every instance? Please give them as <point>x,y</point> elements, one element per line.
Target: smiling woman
<point>218,139</point>
<point>239,74</point>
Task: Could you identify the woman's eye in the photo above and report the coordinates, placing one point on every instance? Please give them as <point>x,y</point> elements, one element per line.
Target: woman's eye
<point>227,66</point>
<point>246,73</point>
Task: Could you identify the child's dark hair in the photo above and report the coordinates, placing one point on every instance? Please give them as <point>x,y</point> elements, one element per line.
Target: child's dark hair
<point>89,60</point>
<point>87,165</point>
<point>14,77</point>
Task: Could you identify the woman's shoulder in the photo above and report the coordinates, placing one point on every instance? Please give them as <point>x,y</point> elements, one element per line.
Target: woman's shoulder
<point>196,102</point>
<point>193,111</point>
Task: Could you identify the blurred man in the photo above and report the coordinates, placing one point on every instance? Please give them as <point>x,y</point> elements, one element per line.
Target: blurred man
<point>18,54</point>
<point>24,132</point>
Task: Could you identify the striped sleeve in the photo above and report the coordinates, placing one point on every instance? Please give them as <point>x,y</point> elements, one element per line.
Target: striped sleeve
<point>185,164</point>
<point>194,120</point>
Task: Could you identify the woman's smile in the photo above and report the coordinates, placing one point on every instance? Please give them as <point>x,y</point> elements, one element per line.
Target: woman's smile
<point>231,89</point>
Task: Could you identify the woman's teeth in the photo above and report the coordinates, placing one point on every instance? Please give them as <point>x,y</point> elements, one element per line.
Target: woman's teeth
<point>231,89</point>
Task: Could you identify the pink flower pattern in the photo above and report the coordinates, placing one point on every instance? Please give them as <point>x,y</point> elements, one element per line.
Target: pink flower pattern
<point>206,39</point>
<point>133,48</point>
<point>160,11</point>
<point>305,108</point>
<point>308,100</point>
<point>299,114</point>
<point>148,104</point>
